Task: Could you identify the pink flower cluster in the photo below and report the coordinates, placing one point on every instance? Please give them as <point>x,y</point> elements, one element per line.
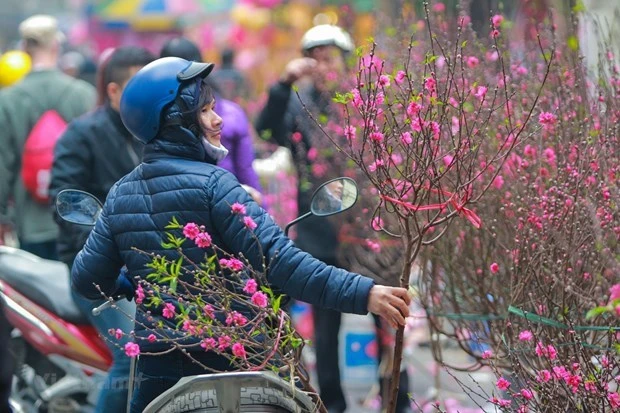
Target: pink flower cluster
<point>232,264</point>
<point>549,351</point>
<point>236,318</point>
<point>197,234</point>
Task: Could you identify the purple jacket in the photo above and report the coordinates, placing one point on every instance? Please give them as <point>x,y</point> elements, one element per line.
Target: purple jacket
<point>237,139</point>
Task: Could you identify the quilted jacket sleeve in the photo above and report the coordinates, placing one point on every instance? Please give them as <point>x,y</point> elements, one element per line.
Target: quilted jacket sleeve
<point>295,272</point>
<point>99,262</point>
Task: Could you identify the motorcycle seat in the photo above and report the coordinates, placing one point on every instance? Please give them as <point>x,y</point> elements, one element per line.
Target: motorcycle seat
<point>43,281</point>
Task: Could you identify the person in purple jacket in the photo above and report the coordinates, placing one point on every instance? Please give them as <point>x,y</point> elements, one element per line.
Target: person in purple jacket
<point>236,135</point>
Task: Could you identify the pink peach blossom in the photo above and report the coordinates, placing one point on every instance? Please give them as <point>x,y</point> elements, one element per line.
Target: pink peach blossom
<point>249,222</point>
<point>203,240</point>
<point>494,268</point>
<point>132,349</point>
<point>250,286</point>
<point>209,311</point>
<point>377,223</point>
<point>208,344</point>
<point>223,343</point>
<point>497,20</point>
<point>139,294</point>
<point>168,311</point>
<point>502,384</point>
<point>406,139</point>
<point>439,7</point>
<point>232,264</point>
<point>238,208</point>
<point>349,132</point>
<point>543,376</point>
<point>238,350</point>
<point>191,230</point>
<point>472,61</point>
<point>260,299</point>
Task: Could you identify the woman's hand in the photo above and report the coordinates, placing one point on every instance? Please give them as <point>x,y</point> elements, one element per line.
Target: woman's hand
<point>391,303</point>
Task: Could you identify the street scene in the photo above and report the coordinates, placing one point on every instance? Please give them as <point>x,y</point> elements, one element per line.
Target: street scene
<point>309,206</point>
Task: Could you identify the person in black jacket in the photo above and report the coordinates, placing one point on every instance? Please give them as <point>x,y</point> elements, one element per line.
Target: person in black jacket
<point>95,151</point>
<point>285,121</point>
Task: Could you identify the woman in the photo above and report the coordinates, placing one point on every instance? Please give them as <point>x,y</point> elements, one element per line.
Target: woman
<point>169,106</point>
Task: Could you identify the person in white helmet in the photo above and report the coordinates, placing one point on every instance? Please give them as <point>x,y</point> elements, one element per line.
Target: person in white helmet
<point>285,121</point>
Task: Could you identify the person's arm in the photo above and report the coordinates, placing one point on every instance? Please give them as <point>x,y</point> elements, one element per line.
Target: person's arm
<point>71,170</point>
<point>293,271</point>
<point>99,262</point>
<point>272,121</point>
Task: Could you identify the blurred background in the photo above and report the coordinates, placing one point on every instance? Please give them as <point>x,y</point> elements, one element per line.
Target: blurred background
<point>264,34</point>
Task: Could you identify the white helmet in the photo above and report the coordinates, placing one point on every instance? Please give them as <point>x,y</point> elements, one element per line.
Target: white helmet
<point>327,35</point>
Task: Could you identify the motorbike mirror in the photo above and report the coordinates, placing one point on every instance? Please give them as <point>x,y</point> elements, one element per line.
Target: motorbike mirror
<point>78,207</point>
<point>333,197</point>
<point>330,198</point>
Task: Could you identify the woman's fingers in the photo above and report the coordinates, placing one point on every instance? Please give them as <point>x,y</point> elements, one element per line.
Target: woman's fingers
<point>400,305</point>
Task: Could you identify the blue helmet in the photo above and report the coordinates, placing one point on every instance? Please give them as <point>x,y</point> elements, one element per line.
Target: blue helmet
<point>154,87</point>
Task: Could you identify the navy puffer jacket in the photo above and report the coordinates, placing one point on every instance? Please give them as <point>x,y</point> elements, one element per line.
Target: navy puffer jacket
<point>177,179</point>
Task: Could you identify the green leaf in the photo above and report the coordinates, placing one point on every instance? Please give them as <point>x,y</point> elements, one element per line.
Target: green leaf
<point>579,7</point>
<point>296,342</point>
<point>391,31</point>
<point>173,285</point>
<point>343,98</point>
<point>359,51</point>
<point>276,303</point>
<point>596,311</point>
<point>430,58</point>
<point>572,43</point>
<point>463,44</point>
<point>295,88</point>
<point>267,291</point>
<point>174,224</point>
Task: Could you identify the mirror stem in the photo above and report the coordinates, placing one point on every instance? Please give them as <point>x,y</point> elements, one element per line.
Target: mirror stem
<point>295,221</point>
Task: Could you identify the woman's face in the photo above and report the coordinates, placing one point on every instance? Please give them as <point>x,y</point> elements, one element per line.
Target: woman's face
<point>211,124</point>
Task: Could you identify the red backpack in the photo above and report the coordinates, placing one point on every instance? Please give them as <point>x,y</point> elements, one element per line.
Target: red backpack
<point>38,154</point>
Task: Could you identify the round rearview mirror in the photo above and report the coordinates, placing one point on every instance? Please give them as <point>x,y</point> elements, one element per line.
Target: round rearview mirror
<point>78,207</point>
<point>334,196</point>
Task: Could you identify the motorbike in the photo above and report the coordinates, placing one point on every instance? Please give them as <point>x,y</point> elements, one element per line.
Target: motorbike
<point>61,358</point>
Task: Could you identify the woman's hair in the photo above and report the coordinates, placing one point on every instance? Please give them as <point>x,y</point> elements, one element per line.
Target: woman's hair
<point>186,108</point>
